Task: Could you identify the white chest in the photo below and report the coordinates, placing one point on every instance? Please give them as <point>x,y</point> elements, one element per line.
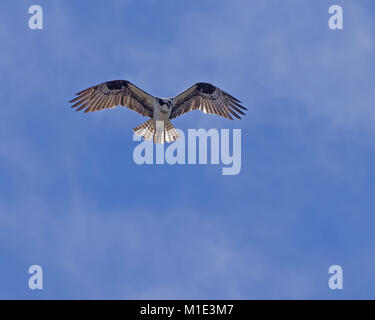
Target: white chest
<point>161,112</point>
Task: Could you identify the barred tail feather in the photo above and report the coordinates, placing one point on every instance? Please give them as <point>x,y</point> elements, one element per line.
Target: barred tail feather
<point>170,132</point>
<point>166,133</point>
<point>146,129</point>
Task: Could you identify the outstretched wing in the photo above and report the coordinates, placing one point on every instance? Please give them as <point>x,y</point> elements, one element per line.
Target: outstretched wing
<point>209,99</point>
<point>114,93</point>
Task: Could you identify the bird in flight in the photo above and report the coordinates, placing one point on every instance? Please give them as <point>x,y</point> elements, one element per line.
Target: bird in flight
<point>201,96</point>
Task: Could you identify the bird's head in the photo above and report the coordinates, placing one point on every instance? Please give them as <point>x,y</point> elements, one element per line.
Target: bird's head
<point>165,104</point>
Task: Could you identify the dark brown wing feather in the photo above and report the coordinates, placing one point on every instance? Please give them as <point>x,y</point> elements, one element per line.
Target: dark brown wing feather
<point>209,99</point>
<point>114,93</point>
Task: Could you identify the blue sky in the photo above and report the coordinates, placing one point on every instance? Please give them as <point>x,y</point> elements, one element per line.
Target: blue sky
<point>73,201</point>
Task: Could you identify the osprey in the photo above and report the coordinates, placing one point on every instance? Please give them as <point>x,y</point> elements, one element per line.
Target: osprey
<point>201,96</point>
